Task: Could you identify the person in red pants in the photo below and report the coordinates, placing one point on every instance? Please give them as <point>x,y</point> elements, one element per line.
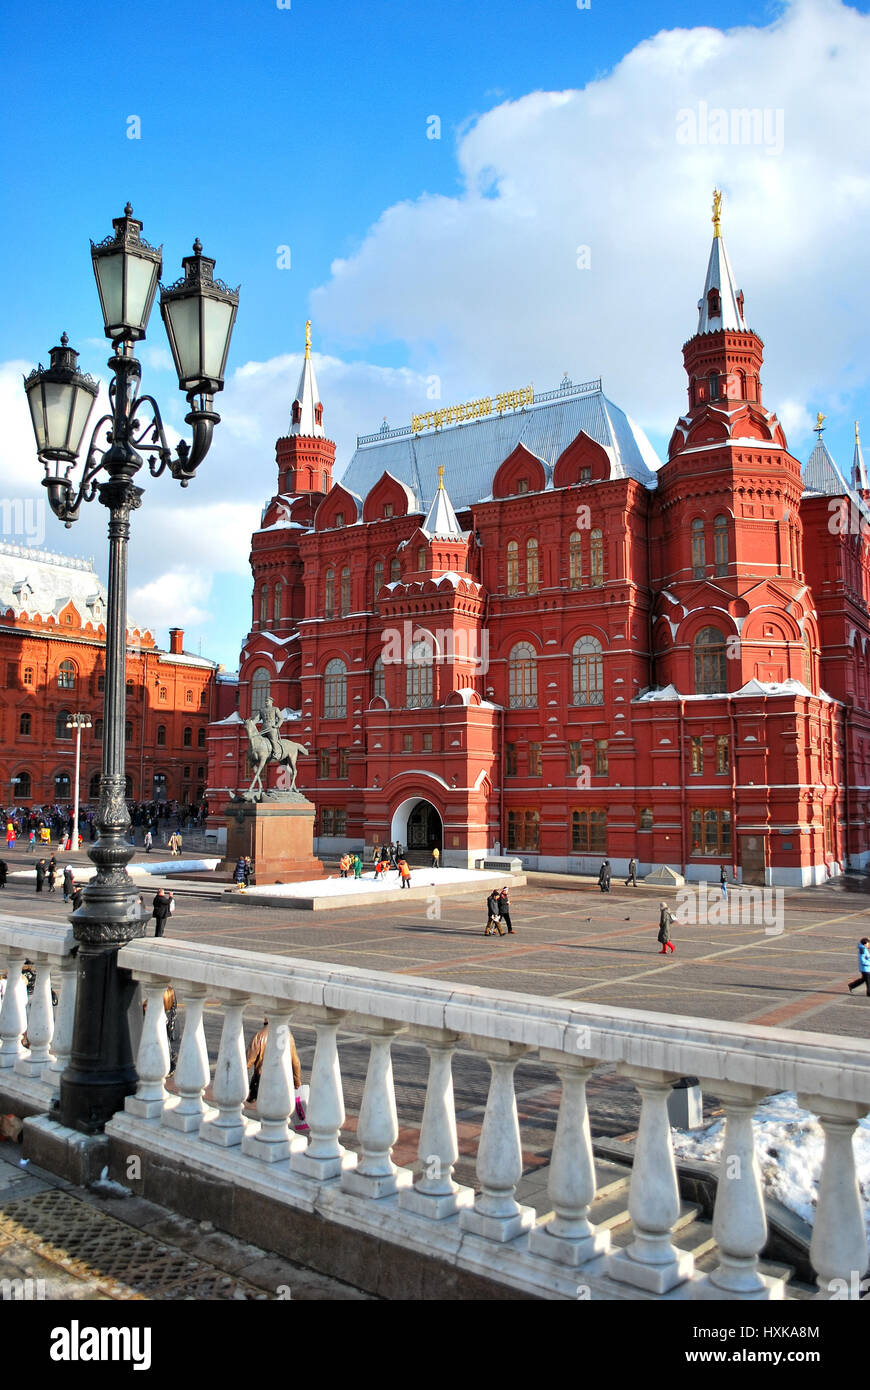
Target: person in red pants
<point>666,918</point>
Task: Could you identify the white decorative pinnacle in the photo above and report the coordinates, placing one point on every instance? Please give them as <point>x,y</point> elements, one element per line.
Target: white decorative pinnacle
<point>308,398</point>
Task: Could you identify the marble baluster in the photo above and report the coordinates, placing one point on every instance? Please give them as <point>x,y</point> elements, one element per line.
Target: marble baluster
<point>230,1085</point>
<point>739,1220</point>
<point>13,1014</point>
<point>435,1194</point>
<point>152,1059</point>
<point>274,1139</point>
<point>65,979</point>
<point>838,1250</point>
<point>376,1175</point>
<point>652,1261</point>
<point>40,1023</point>
<point>186,1111</point>
<point>569,1237</point>
<point>324,1157</point>
<point>496,1214</point>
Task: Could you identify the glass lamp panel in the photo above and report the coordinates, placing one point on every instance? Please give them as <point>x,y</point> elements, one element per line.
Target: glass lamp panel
<point>141,284</point>
<point>183,317</point>
<point>109,271</point>
<point>217,324</point>
<point>82,407</point>
<point>34,400</point>
<point>58,407</point>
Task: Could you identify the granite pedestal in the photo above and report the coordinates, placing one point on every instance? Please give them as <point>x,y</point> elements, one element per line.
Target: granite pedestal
<point>278,835</point>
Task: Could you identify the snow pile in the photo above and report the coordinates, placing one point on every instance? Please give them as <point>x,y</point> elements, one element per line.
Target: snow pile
<point>790,1145</point>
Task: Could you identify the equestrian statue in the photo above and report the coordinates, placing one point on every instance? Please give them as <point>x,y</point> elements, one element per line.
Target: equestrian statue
<point>269,747</point>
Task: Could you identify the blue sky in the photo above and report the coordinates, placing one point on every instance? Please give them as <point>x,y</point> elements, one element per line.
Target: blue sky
<point>306,127</point>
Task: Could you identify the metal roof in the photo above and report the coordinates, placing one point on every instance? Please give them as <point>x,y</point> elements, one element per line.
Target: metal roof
<point>720,277</point>
<point>821,474</point>
<point>472,451</point>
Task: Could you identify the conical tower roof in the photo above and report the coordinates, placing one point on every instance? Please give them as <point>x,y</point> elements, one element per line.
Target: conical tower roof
<point>859,472</point>
<point>307,396</point>
<point>723,308</point>
<point>820,474</point>
<point>441,523</point>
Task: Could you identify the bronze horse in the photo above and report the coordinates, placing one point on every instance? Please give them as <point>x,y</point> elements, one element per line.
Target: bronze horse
<point>260,753</point>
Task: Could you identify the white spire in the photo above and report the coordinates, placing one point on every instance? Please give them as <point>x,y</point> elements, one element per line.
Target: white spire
<point>441,523</point>
<point>859,472</point>
<point>722,302</point>
<point>306,396</point>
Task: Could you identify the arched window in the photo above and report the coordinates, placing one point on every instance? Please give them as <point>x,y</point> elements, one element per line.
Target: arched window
<point>28,675</point>
<point>709,648</point>
<point>66,675</point>
<point>714,386</point>
<point>335,690</point>
<point>523,676</point>
<point>421,557</point>
<point>329,594</point>
<point>720,545</point>
<point>596,558</point>
<point>98,731</point>
<point>532,565</point>
<point>264,604</point>
<point>60,729</point>
<point>395,570</point>
<point>276,608</point>
<point>188,737</point>
<point>24,724</point>
<point>200,738</point>
<point>61,786</point>
<point>379,681</point>
<point>22,786</point>
<point>575,560</point>
<point>808,662</point>
<point>377,579</point>
<point>128,732</point>
<point>513,568</point>
<point>161,735</point>
<point>94,787</point>
<point>345,591</point>
<point>259,690</point>
<point>699,556</point>
<point>587,672</point>
<point>418,676</point>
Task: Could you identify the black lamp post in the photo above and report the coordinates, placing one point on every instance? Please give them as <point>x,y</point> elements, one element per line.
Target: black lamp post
<point>199,313</point>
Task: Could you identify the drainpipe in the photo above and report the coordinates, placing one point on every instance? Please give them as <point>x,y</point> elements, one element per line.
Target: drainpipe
<point>732,716</point>
<point>683,793</point>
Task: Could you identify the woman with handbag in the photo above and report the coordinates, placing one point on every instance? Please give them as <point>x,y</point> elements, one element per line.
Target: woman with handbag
<point>664,937</point>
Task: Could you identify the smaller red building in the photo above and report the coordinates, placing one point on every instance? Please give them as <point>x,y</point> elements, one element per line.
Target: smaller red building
<point>52,655</point>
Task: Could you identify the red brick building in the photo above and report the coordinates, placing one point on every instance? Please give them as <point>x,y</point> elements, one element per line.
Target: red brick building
<point>577,652</point>
<point>52,656</point>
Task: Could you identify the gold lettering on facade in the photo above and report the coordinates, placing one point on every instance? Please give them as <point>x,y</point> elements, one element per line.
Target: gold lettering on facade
<point>472,410</point>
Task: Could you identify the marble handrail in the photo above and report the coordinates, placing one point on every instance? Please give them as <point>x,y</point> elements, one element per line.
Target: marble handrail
<point>34,1072</point>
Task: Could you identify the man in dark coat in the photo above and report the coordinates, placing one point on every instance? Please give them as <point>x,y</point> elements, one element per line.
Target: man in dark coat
<point>504,909</point>
<point>40,875</point>
<point>632,873</point>
<point>604,876</point>
<point>160,912</point>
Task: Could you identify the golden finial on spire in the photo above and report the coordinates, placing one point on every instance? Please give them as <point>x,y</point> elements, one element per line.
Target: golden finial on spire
<point>857,435</point>
<point>717,212</point>
<point>440,475</point>
<point>307,337</point>
<point>819,425</point>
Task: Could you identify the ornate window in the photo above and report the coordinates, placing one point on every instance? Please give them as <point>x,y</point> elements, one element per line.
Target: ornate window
<point>162,694</point>
<point>28,675</point>
<point>22,786</point>
<point>532,565</point>
<point>264,604</point>
<point>188,697</point>
<point>523,677</point>
<point>596,558</point>
<point>601,764</point>
<point>259,690</point>
<point>329,594</point>
<point>379,679</point>
<point>188,737</point>
<point>66,675</point>
<point>60,729</point>
<point>335,690</point>
<point>513,568</point>
<point>587,672</point>
<point>276,608</point>
<point>534,760</point>
<point>161,735</point>
<point>345,590</point>
<point>24,724</point>
<point>699,558</point>
<point>709,649</point>
<point>524,830</point>
<point>808,662</point>
<point>377,580</point>
<point>575,560</point>
<point>200,738</point>
<point>588,832</point>
<point>418,676</point>
<point>720,545</point>
<point>395,570</point>
<point>697,756</point>
<point>711,832</point>
<point>723,753</point>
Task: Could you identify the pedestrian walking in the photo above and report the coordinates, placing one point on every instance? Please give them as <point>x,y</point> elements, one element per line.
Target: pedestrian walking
<point>723,882</point>
<point>493,916</point>
<point>148,841</point>
<point>31,841</point>
<point>436,857</point>
<point>405,873</point>
<point>40,875</point>
<point>67,882</point>
<point>240,878</point>
<point>863,965</point>
<point>256,1056</point>
<point>632,873</point>
<point>604,876</point>
<point>160,911</point>
<point>666,919</point>
<point>504,909</point>
<point>51,873</point>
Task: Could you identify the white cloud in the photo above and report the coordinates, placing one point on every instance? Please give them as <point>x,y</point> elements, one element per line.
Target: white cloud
<point>174,599</point>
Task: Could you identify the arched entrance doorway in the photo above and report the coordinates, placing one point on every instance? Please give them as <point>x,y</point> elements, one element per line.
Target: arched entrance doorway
<point>417,824</point>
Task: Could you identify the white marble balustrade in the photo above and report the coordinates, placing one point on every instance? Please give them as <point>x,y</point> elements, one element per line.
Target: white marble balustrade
<point>423,1208</point>
<point>31,1073</point>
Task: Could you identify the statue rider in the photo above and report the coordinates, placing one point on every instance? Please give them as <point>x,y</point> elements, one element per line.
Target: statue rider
<point>270,720</point>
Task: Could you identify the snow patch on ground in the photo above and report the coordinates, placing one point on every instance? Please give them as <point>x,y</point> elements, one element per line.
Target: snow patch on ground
<point>789,1143</point>
<point>346,887</point>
